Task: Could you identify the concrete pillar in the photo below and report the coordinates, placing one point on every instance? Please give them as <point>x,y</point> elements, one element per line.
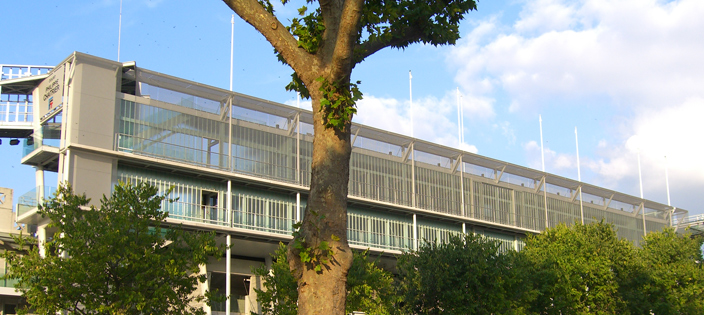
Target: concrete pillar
<point>228,262</point>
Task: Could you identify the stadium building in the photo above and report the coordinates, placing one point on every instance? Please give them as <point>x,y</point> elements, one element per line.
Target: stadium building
<point>240,166</point>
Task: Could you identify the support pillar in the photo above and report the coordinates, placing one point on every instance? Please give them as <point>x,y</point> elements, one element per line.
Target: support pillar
<point>415,233</point>
<point>298,207</point>
<point>39,178</point>
<point>228,263</point>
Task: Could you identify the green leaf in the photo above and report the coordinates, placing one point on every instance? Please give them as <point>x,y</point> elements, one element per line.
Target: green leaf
<point>302,10</point>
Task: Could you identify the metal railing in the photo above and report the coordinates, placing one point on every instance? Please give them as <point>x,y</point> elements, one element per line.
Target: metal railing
<point>203,158</point>
<point>17,109</point>
<point>266,218</point>
<point>699,218</point>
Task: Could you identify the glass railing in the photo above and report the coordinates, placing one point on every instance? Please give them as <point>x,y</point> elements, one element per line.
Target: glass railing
<point>31,199</point>
<point>48,135</point>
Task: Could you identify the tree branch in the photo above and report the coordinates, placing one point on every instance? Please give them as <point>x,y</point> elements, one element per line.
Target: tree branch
<point>369,47</point>
<point>348,32</point>
<point>271,28</point>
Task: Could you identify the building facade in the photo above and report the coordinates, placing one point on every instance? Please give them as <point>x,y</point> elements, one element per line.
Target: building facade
<point>240,166</point>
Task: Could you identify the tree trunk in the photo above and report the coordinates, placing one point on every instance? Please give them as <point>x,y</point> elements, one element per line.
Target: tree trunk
<point>324,292</point>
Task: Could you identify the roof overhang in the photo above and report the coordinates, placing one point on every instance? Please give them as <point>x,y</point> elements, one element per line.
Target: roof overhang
<point>22,86</point>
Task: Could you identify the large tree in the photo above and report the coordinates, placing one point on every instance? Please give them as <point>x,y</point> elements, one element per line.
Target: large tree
<point>466,275</point>
<point>671,277</point>
<point>582,269</point>
<point>370,289</point>
<point>322,47</point>
<point>113,259</point>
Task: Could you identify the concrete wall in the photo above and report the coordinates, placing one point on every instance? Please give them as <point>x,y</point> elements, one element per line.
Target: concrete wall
<point>92,102</point>
<point>7,220</point>
<point>90,174</point>
<point>90,121</point>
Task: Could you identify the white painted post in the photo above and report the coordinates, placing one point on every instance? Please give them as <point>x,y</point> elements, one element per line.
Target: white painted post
<point>232,47</point>
<point>119,33</point>
<point>415,233</point>
<point>579,176</point>
<point>228,263</point>
<point>410,91</point>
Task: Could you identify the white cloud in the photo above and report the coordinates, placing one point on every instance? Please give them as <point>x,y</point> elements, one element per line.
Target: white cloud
<point>545,15</point>
<point>634,51</point>
<point>674,132</point>
<point>507,131</point>
<point>640,57</point>
<point>434,118</point>
<point>557,163</point>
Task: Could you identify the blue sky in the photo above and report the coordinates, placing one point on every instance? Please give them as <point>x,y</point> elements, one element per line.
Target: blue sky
<point>627,73</point>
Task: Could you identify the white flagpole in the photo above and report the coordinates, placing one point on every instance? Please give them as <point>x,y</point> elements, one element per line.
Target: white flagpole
<point>640,177</point>
<point>640,180</point>
<point>228,283</point>
<point>119,33</point>
<point>459,120</point>
<point>579,176</point>
<point>545,182</point>
<point>542,151</point>
<point>667,182</point>
<point>462,116</point>
<point>232,47</point>
<point>410,91</point>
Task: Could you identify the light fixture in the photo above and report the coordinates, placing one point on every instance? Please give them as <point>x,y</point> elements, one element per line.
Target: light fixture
<point>14,142</point>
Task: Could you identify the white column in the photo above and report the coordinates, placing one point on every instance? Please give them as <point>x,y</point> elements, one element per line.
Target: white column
<point>41,236</point>
<point>228,215</point>
<point>415,233</point>
<point>227,276</point>
<point>298,207</point>
<point>39,178</point>
<point>463,212</point>
<point>206,287</point>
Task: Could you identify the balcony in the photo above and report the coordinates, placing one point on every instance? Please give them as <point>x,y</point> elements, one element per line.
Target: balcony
<point>28,203</point>
<point>42,148</point>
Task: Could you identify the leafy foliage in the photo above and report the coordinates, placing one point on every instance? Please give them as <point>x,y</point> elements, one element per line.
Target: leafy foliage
<point>383,23</point>
<point>369,288</point>
<point>671,279</point>
<point>403,22</point>
<point>280,287</point>
<point>338,102</point>
<point>315,256</point>
<point>113,259</point>
<point>579,269</point>
<point>466,275</point>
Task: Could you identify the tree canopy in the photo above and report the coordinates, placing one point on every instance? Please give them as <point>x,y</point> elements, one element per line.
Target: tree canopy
<point>579,269</point>
<point>117,258</point>
<point>465,275</point>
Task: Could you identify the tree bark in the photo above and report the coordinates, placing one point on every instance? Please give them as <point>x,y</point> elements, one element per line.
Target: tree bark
<point>325,292</point>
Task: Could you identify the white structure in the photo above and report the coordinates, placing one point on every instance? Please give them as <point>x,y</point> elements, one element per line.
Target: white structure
<point>240,166</point>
